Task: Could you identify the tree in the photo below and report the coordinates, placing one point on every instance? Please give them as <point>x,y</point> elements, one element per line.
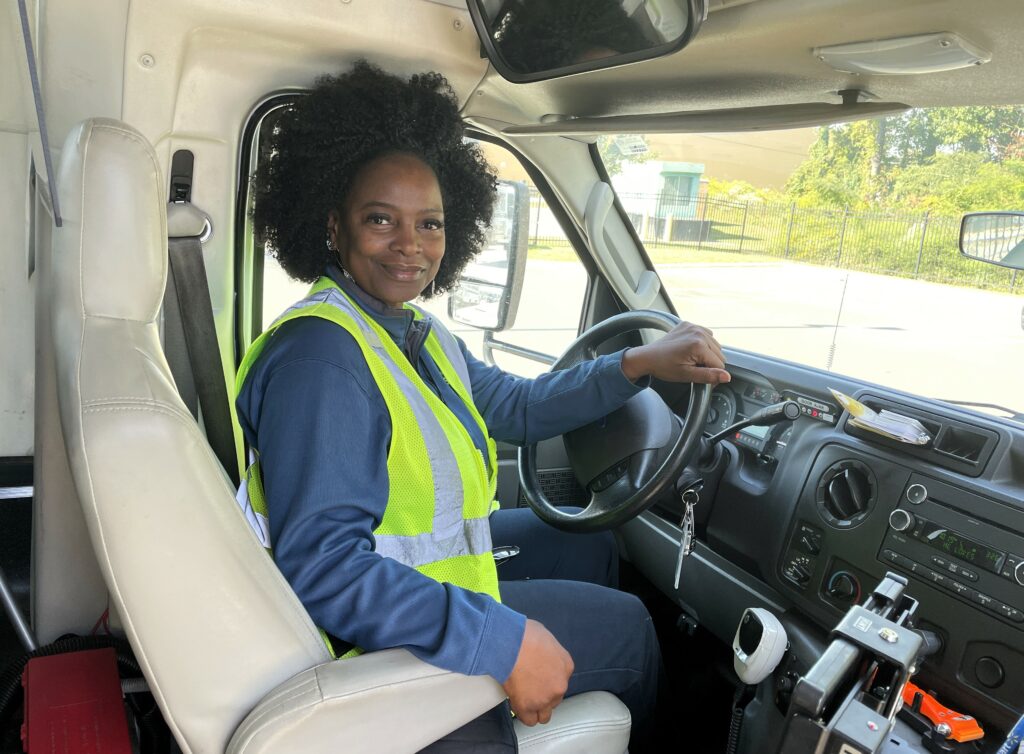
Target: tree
<point>983,130</point>
<point>872,162</point>
<point>838,169</point>
<point>962,182</point>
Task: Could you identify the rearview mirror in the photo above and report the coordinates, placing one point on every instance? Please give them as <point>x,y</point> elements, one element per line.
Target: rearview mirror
<point>994,237</point>
<point>487,294</point>
<point>533,40</point>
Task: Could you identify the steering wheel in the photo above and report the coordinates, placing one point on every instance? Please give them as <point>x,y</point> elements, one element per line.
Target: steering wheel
<point>627,459</point>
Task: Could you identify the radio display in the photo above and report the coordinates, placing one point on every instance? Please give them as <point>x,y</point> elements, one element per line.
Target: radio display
<point>966,549</point>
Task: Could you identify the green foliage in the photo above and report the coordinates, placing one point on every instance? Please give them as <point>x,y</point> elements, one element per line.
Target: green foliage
<point>950,184</point>
<point>941,159</point>
<point>742,191</point>
<point>837,172</point>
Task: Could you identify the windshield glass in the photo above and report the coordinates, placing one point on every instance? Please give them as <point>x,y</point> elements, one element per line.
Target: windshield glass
<point>837,247</point>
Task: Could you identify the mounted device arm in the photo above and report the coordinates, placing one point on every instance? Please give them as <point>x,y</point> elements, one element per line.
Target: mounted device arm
<point>849,699</point>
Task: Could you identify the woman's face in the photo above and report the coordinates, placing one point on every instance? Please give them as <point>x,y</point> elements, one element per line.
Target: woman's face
<point>389,231</point>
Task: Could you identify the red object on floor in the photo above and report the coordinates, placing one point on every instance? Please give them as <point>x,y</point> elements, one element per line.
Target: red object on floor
<point>73,705</point>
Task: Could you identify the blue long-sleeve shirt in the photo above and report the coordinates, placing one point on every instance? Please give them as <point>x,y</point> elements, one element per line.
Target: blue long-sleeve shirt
<point>313,410</point>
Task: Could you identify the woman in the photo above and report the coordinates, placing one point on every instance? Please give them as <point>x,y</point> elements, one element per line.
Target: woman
<point>373,425</point>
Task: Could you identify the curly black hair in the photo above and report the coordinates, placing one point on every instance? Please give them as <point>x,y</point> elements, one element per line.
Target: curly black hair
<point>319,143</point>
<point>537,35</point>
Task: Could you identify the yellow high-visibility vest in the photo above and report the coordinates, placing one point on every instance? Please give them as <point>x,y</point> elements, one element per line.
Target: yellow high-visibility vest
<point>440,489</point>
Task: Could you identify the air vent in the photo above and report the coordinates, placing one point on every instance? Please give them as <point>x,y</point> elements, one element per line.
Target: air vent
<point>846,493</point>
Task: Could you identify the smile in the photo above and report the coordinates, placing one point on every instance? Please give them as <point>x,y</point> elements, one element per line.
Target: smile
<point>403,272</point>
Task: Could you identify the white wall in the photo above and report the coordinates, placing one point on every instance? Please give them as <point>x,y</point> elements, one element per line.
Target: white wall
<point>17,356</point>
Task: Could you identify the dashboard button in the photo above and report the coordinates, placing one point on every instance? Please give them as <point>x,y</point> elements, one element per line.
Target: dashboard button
<point>970,593</point>
<point>989,672</point>
<point>956,586</point>
<point>1009,565</point>
<point>937,578</point>
<point>1007,612</point>
<point>917,493</point>
<point>984,600</point>
<point>968,574</point>
<point>940,562</point>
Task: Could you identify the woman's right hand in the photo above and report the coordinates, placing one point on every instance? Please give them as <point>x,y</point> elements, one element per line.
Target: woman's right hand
<point>689,353</point>
<point>540,677</point>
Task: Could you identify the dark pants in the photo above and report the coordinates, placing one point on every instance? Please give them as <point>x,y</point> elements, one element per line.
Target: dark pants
<point>566,581</point>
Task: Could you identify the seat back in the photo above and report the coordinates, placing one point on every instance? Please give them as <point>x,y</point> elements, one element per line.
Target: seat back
<point>213,623</point>
<point>68,593</point>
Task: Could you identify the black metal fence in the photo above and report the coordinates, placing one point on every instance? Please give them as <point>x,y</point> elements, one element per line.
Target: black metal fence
<point>921,246</point>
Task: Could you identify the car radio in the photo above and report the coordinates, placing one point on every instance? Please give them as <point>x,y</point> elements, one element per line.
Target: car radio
<point>988,577</point>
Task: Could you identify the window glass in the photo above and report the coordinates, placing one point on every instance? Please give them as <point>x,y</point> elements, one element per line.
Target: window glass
<point>554,285</point>
<point>837,247</point>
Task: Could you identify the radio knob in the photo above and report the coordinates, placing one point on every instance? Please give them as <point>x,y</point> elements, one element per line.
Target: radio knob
<point>1018,573</point>
<point>917,493</point>
<point>901,520</point>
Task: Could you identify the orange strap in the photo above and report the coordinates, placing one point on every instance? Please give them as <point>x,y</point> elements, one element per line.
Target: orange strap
<point>962,727</point>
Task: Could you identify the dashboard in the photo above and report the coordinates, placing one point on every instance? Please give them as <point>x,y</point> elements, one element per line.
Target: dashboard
<point>732,404</point>
<point>804,518</point>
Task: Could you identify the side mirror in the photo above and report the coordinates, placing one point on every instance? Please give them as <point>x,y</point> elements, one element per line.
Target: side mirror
<point>534,40</point>
<point>487,295</point>
<point>994,237</point>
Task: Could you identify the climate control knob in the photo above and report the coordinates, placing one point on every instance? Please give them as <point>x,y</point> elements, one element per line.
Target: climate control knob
<point>901,520</point>
<point>1018,573</point>
<point>844,587</point>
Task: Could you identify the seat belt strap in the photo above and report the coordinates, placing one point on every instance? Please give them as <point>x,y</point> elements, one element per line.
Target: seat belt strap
<point>192,294</point>
<point>37,97</point>
<point>176,349</point>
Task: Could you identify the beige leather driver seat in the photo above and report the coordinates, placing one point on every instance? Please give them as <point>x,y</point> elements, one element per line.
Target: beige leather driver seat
<point>230,654</point>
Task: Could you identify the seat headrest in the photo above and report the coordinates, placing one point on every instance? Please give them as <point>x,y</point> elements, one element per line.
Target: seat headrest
<point>115,222</point>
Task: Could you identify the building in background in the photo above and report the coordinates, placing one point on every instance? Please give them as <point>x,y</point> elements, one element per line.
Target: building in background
<point>662,196</point>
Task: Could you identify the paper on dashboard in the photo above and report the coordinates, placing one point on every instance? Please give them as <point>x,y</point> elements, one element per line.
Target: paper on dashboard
<point>886,423</point>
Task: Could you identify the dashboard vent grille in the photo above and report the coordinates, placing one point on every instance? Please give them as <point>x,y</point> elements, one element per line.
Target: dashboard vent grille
<point>846,493</point>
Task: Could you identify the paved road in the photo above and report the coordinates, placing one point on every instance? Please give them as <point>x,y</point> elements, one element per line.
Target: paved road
<point>934,340</point>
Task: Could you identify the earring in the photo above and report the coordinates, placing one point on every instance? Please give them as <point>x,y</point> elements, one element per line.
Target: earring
<point>330,246</point>
<point>431,294</point>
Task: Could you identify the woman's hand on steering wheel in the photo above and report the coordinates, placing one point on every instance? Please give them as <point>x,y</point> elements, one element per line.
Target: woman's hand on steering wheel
<point>636,453</point>
<point>687,353</point>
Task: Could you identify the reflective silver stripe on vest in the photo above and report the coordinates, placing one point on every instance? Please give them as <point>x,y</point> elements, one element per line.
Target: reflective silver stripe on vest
<point>473,539</point>
<point>451,349</point>
<point>450,532</point>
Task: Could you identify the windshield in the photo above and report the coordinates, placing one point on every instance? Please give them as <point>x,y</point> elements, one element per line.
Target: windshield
<point>837,247</point>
